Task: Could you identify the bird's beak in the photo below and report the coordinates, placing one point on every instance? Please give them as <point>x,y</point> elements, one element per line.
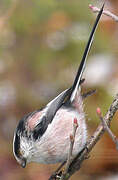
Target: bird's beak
<point>23,163</point>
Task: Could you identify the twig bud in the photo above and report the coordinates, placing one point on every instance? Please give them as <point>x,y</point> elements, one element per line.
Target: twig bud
<point>98,110</point>
<point>71,138</point>
<point>94,9</point>
<point>75,122</point>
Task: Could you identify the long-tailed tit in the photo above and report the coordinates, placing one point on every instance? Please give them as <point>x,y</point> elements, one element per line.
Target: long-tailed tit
<point>43,136</point>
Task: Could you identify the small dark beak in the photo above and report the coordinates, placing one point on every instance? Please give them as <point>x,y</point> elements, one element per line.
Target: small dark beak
<point>23,163</point>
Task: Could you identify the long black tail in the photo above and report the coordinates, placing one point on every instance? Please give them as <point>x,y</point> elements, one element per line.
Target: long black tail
<point>83,61</point>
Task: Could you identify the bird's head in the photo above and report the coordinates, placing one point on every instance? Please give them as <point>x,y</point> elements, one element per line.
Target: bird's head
<point>19,142</point>
<point>24,137</point>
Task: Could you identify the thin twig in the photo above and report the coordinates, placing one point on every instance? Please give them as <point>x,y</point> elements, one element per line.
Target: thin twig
<point>105,12</point>
<point>72,140</point>
<point>113,137</point>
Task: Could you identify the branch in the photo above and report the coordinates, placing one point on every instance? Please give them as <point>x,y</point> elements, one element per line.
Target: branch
<point>105,12</point>
<point>78,160</point>
<point>72,140</point>
<point>106,127</point>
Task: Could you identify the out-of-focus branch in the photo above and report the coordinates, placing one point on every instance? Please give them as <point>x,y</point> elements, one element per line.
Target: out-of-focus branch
<point>78,160</point>
<point>105,12</point>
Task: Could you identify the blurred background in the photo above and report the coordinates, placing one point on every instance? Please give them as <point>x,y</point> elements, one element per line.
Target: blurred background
<point>41,45</point>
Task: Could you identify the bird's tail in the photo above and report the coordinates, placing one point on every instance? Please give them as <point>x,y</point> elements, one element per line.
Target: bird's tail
<point>83,61</point>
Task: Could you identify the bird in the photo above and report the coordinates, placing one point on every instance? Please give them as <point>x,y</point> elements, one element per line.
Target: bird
<point>42,136</point>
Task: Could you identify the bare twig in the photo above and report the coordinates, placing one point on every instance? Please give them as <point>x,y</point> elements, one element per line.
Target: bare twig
<point>77,161</point>
<point>72,139</point>
<point>113,137</point>
<point>105,12</point>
